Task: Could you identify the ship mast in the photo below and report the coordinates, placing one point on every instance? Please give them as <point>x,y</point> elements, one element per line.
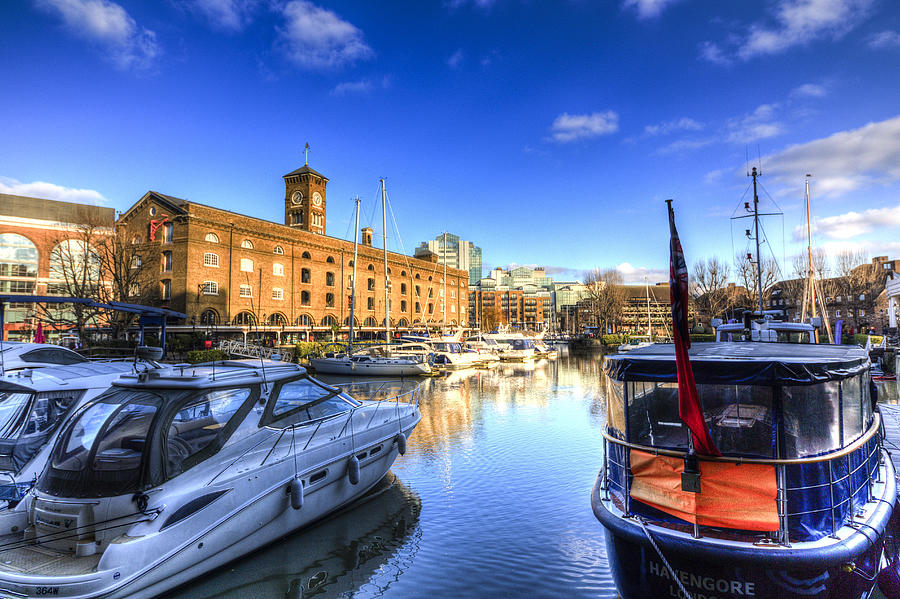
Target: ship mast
<point>353,280</point>
<point>444,291</point>
<point>812,297</point>
<point>759,290</point>
<point>649,327</point>
<point>387,307</point>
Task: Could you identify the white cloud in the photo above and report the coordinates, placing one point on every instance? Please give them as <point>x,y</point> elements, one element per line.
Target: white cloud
<point>635,274</point>
<point>363,86</point>
<point>843,161</point>
<point>107,24</point>
<point>794,23</point>
<point>852,224</point>
<point>713,53</point>
<point>884,39</point>
<point>482,4</point>
<point>686,145</point>
<point>647,9</point>
<point>809,90</point>
<point>51,191</point>
<point>759,124</point>
<point>228,15</point>
<point>316,38</point>
<point>682,124</point>
<point>456,59</point>
<point>571,127</point>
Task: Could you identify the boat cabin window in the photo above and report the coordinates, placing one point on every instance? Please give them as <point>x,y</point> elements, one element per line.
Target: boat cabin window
<point>27,420</point>
<point>199,424</point>
<point>793,337</point>
<point>653,415</point>
<point>615,406</point>
<point>811,419</point>
<point>739,417</point>
<point>304,400</point>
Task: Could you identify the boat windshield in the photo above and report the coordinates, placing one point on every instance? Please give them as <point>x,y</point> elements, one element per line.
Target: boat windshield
<point>27,420</point>
<point>129,438</point>
<point>521,343</point>
<point>305,400</point>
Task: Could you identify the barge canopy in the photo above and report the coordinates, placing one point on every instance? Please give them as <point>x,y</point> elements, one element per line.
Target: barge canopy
<point>750,363</point>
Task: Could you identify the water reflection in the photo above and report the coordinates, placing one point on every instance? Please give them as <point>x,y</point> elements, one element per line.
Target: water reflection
<point>360,551</point>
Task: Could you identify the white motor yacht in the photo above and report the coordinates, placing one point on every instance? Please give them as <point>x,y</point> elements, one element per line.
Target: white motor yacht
<point>178,470</point>
<point>452,355</point>
<point>16,355</point>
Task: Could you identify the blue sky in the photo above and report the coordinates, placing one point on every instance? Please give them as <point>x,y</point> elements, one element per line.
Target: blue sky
<point>548,133</point>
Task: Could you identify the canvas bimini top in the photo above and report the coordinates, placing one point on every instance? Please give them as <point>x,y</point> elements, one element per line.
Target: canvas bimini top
<point>742,363</point>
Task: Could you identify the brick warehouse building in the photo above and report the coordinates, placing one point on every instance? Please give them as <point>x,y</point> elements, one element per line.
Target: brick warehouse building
<point>230,270</point>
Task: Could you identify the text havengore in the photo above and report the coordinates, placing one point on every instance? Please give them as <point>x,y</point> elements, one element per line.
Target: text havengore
<point>729,588</point>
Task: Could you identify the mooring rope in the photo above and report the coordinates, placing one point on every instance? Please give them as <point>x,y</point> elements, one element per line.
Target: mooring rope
<point>663,558</point>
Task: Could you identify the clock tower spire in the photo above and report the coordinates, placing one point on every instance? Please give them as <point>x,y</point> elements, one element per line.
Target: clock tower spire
<point>304,198</point>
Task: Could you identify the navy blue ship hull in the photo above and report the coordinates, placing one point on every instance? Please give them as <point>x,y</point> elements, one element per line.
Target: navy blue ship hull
<point>722,570</point>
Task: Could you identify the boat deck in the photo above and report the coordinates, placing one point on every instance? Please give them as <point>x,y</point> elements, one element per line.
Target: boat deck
<point>37,560</point>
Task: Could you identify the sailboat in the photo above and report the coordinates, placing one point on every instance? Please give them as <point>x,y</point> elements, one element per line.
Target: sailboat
<point>372,360</point>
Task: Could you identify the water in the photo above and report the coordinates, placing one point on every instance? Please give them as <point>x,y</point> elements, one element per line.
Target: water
<point>492,499</point>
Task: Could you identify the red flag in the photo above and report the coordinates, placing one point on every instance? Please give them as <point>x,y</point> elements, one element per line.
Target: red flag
<point>689,408</point>
<point>39,333</point>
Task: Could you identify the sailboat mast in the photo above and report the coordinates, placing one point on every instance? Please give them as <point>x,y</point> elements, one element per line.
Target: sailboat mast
<point>444,292</point>
<point>387,306</point>
<point>759,289</point>
<point>811,279</point>
<point>353,280</point>
<point>649,327</point>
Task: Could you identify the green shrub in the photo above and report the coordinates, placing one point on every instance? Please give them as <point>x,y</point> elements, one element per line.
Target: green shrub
<point>304,350</point>
<point>860,339</point>
<point>615,339</point>
<point>205,355</point>
<point>699,337</point>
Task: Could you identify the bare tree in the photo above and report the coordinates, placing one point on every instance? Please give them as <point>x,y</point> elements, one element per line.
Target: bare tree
<point>75,271</point>
<point>709,287</point>
<point>858,281</point>
<point>746,270</point>
<point>125,268</point>
<point>606,296</point>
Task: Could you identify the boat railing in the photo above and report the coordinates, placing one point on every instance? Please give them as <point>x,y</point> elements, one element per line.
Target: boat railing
<point>842,473</point>
<point>251,350</point>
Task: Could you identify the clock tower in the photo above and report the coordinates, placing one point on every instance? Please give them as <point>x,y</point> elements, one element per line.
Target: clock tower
<point>304,200</point>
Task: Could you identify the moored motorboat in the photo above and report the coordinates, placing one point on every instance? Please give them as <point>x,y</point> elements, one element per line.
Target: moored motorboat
<point>378,360</point>
<point>178,470</point>
<point>798,504</point>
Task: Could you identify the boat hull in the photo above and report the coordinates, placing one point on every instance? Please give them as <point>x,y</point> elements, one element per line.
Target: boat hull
<point>329,366</point>
<point>721,569</point>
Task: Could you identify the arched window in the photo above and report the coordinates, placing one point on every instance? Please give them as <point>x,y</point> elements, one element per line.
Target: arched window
<point>402,323</point>
<point>304,298</point>
<point>370,267</point>
<point>329,279</point>
<point>305,275</point>
<point>429,277</point>
<point>347,322</point>
<point>370,322</point>
<point>389,270</point>
<point>210,259</point>
<point>209,288</point>
<point>402,273</point>
<point>247,244</point>
<point>276,320</point>
<point>417,275</point>
<point>350,264</point>
<point>329,300</point>
<point>305,255</point>
<point>245,290</point>
<point>211,238</point>
<point>329,321</point>
<point>304,320</point>
<point>18,256</point>
<point>278,250</point>
<point>73,259</point>
<point>296,218</point>
<point>244,319</point>
<point>209,318</point>
<point>329,260</point>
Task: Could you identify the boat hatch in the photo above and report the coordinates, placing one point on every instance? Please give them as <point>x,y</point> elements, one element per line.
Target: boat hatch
<point>26,421</point>
<point>129,439</point>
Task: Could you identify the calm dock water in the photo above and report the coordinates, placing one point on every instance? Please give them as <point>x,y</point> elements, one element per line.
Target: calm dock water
<point>492,499</point>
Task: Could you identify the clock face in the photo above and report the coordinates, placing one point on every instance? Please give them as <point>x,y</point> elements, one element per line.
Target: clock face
<point>297,197</point>
<point>317,199</point>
